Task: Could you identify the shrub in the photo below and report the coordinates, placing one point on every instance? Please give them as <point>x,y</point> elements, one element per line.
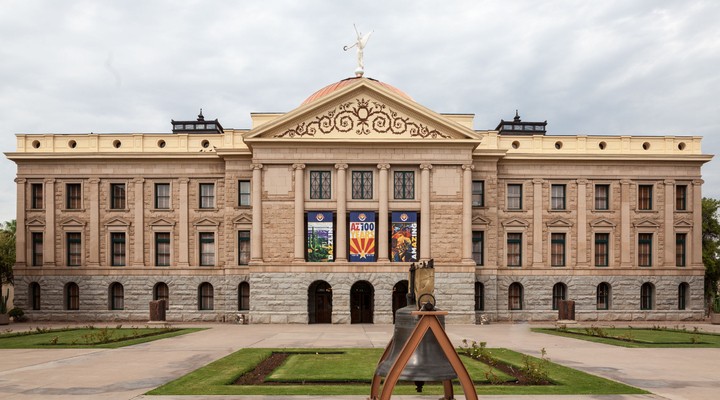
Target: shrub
<point>716,304</point>
<point>17,314</point>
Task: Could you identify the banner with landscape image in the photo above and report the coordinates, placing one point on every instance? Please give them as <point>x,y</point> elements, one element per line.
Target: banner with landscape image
<point>320,236</point>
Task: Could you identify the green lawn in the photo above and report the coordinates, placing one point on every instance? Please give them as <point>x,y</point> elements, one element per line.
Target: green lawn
<point>638,337</point>
<point>358,365</point>
<point>87,337</point>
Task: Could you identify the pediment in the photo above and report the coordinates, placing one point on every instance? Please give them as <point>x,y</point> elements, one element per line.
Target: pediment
<point>162,222</point>
<point>646,223</point>
<point>559,223</point>
<point>478,220</point>
<point>683,223</point>
<point>206,222</point>
<point>72,222</point>
<point>516,222</point>
<point>602,223</point>
<point>366,111</point>
<point>118,222</point>
<point>244,218</point>
<point>35,222</point>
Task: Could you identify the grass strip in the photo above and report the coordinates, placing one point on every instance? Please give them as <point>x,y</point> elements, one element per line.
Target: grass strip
<point>87,338</point>
<point>640,338</point>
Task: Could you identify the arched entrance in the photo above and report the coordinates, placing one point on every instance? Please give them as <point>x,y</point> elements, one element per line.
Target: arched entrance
<point>361,303</point>
<point>399,300</point>
<point>320,303</point>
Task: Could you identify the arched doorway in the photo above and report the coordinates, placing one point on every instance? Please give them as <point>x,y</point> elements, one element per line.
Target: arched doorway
<point>361,303</point>
<point>320,303</point>
<point>399,299</point>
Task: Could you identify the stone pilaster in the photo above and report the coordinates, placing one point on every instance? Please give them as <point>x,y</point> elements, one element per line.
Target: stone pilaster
<point>467,213</point>
<point>49,239</point>
<point>696,256</point>
<point>382,224</point>
<point>425,211</point>
<point>256,202</point>
<point>184,221</point>
<point>582,239</point>
<point>20,235</point>
<point>669,224</point>
<point>625,239</point>
<point>299,211</point>
<point>138,237</point>
<point>537,222</point>
<point>93,244</point>
<point>341,229</point>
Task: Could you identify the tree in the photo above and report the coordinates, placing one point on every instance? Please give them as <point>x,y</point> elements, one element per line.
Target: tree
<point>711,245</point>
<point>7,252</point>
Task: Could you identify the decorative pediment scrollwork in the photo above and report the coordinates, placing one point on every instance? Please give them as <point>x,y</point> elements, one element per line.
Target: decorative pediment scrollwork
<point>363,117</point>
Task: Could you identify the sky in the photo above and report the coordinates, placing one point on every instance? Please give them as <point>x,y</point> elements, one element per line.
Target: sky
<point>642,67</point>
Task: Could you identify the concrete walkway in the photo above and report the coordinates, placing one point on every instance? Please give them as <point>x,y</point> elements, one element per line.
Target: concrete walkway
<point>128,372</point>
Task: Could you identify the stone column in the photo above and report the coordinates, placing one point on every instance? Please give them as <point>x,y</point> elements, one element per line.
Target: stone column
<point>537,222</point>
<point>20,235</point>
<point>93,244</point>
<point>382,218</point>
<point>49,239</point>
<point>467,213</point>
<point>299,211</point>
<point>341,228</point>
<point>696,256</point>
<point>425,211</point>
<point>625,239</point>
<point>256,202</point>
<point>669,224</point>
<point>184,221</point>
<point>582,239</point>
<point>139,231</point>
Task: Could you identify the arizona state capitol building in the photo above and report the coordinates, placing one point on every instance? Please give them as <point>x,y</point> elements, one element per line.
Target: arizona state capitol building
<point>313,216</point>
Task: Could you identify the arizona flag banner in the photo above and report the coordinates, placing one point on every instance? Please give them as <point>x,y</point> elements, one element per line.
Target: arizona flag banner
<point>404,236</point>
<point>320,236</point>
<point>362,236</point>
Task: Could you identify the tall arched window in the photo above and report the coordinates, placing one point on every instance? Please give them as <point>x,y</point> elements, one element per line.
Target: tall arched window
<point>559,293</point>
<point>603,296</point>
<point>117,296</point>
<point>34,291</point>
<point>72,296</point>
<point>683,295</point>
<point>162,292</point>
<point>647,294</point>
<point>243,296</point>
<point>205,296</point>
<point>515,296</point>
<point>479,296</point>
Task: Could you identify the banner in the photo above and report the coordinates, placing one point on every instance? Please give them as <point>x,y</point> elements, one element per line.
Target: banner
<point>320,236</point>
<point>362,236</point>
<point>404,236</point>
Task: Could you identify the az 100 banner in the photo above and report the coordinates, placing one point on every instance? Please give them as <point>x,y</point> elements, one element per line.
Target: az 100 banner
<point>404,236</point>
<point>320,236</point>
<point>362,236</point>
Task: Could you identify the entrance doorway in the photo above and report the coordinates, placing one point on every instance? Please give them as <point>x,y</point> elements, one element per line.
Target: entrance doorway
<point>361,303</point>
<point>398,296</point>
<point>320,303</point>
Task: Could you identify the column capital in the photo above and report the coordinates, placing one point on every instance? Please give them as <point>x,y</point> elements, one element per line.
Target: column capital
<point>49,180</point>
<point>139,180</point>
<point>582,181</point>
<point>20,181</point>
<point>426,166</point>
<point>537,181</point>
<point>383,166</point>
<point>298,166</point>
<point>669,181</point>
<point>341,166</point>
<point>625,181</point>
<point>256,166</point>
<point>698,182</point>
<point>468,167</point>
<point>184,180</point>
<point>94,181</point>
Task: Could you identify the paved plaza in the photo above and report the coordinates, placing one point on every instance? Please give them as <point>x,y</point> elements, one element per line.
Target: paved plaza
<point>129,372</point>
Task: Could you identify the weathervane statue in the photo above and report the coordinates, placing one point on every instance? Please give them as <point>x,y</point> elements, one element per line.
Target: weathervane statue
<point>360,44</point>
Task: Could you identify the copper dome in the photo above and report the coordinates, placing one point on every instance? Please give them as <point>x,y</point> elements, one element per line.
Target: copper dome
<point>333,87</point>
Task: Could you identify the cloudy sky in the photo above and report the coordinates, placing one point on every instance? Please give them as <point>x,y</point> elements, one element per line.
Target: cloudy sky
<point>647,67</point>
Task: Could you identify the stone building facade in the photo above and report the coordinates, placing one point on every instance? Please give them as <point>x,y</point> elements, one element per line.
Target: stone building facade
<point>263,221</point>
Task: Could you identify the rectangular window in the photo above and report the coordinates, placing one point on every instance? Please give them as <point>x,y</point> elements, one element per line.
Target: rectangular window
<point>514,249</point>
<point>478,245</point>
<point>207,248</point>
<point>557,197</point>
<point>602,197</point>
<point>557,249</point>
<point>37,249</point>
<point>243,193</point>
<point>681,197</point>
<point>117,245</point>
<point>36,196</point>
<point>74,249</point>
<point>362,185</point>
<point>680,249</point>
<point>404,184</point>
<point>645,249</point>
<point>162,249</point>
<point>602,249</point>
<point>162,196</point>
<point>478,193</point>
<point>243,247</point>
<point>207,195</point>
<point>514,196</point>
<point>73,199</point>
<point>117,196</point>
<point>320,185</point>
<point>645,197</point>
